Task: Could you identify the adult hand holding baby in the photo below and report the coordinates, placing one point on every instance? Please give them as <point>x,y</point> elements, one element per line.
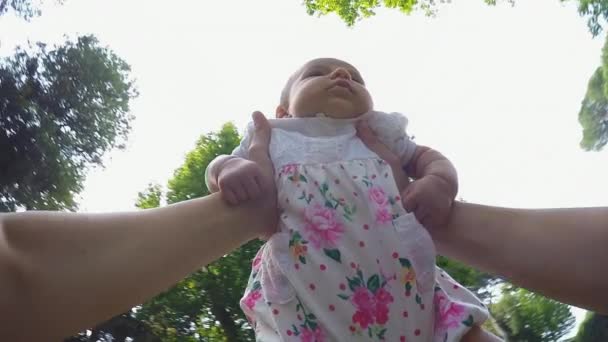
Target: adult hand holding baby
<point>430,197</point>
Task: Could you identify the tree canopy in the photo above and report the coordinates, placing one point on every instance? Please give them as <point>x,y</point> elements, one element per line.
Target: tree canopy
<point>61,110</point>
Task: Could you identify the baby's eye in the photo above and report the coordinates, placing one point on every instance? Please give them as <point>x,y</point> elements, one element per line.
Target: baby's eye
<point>314,73</point>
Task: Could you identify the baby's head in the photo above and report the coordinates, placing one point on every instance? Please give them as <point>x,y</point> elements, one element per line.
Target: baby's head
<point>325,85</point>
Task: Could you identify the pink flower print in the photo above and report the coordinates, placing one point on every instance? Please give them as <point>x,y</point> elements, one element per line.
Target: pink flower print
<point>308,335</point>
<point>251,298</point>
<point>362,298</point>
<point>383,297</point>
<point>381,314</point>
<point>383,215</point>
<point>363,318</point>
<point>289,169</point>
<point>256,262</point>
<point>371,309</point>
<point>377,195</point>
<point>322,226</point>
<point>447,313</point>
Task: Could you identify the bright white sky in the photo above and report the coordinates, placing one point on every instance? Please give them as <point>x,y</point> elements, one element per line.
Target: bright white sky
<point>496,89</point>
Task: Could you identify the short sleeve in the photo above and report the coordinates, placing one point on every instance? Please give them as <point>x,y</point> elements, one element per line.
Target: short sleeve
<point>391,129</point>
<point>241,150</point>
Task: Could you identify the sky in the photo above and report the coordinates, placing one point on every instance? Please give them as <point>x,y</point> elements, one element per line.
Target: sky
<point>496,89</point>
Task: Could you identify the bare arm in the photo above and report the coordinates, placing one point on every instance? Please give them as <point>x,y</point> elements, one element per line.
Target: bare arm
<point>63,272</point>
<point>560,253</point>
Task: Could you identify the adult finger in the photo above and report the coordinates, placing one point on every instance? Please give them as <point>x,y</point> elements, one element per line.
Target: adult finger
<point>369,138</point>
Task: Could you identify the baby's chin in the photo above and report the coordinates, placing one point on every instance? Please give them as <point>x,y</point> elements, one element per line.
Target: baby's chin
<point>342,112</point>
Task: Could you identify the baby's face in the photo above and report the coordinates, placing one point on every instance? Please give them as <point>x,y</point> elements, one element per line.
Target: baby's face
<point>329,86</point>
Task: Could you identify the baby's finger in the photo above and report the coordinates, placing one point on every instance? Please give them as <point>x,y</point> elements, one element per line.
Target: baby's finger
<point>409,202</point>
<point>423,215</point>
<point>252,188</point>
<point>229,196</point>
<point>240,192</point>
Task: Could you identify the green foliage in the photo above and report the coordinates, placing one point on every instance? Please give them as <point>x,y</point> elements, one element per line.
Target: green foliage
<point>465,275</point>
<point>596,11</point>
<point>25,9</point>
<point>528,317</point>
<point>149,198</point>
<point>593,329</point>
<point>350,11</point>
<point>205,305</point>
<point>593,115</point>
<point>61,109</point>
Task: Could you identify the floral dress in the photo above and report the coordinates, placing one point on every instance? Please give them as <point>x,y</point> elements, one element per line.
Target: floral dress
<point>349,263</point>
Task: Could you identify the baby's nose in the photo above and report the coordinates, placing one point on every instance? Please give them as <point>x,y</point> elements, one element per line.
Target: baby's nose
<point>341,73</point>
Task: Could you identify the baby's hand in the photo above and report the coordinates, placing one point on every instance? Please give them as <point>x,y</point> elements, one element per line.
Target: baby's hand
<point>430,199</point>
<point>240,180</point>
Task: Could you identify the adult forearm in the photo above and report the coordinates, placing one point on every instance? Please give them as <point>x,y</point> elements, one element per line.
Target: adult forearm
<point>63,272</point>
<point>557,252</point>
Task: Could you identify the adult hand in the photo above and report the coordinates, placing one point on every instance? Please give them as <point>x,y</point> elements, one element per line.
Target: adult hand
<point>258,153</point>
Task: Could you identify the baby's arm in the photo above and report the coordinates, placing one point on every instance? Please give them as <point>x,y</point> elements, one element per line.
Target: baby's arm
<point>435,186</point>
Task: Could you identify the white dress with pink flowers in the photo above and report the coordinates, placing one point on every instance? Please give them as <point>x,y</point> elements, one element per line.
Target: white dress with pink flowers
<point>349,263</point>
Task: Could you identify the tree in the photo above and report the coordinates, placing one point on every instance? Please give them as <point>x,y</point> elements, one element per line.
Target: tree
<point>593,115</point>
<point>25,9</point>
<point>528,317</point>
<point>593,329</point>
<point>205,305</point>
<point>472,279</point>
<point>350,11</point>
<point>61,110</point>
<point>117,329</point>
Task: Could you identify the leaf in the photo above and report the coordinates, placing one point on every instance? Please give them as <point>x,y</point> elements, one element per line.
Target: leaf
<point>302,259</point>
<point>329,205</point>
<point>405,262</point>
<point>290,178</point>
<point>312,325</point>
<point>373,283</point>
<point>347,210</point>
<point>256,285</point>
<point>469,321</point>
<point>360,275</point>
<point>343,296</point>
<point>418,299</point>
<point>312,316</point>
<point>333,254</point>
<point>381,334</point>
<point>353,283</point>
<point>303,179</point>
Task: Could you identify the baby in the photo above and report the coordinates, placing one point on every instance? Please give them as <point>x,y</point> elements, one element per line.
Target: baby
<point>350,261</point>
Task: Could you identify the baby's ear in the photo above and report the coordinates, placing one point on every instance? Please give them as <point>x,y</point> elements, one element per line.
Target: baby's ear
<point>281,112</point>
